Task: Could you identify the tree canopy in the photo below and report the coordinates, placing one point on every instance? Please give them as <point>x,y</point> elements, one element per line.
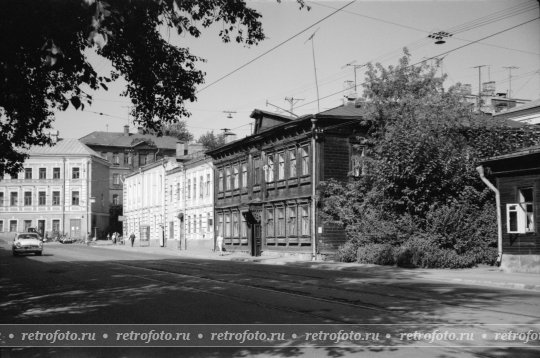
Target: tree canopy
<point>44,66</point>
<point>211,141</point>
<point>421,152</point>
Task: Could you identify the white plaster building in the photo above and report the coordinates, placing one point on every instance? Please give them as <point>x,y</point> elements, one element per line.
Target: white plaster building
<point>62,189</point>
<point>171,202</point>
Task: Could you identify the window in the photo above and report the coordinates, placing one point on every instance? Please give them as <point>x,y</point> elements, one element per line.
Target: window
<point>177,191</point>
<point>304,228</point>
<point>194,188</point>
<point>270,169</point>
<point>291,221</point>
<point>189,188</point>
<point>244,175</point>
<point>13,198</point>
<point>305,160</point>
<point>236,224</point>
<point>75,173</point>
<point>280,213</point>
<point>116,179</point>
<point>56,225</point>
<point>292,163</point>
<point>201,186</point>
<point>228,179</point>
<point>220,224</point>
<point>207,184</point>
<point>127,159</point>
<point>209,222</point>
<point>27,173</point>
<point>189,224</point>
<point>56,198</point>
<point>194,224</point>
<point>1,225</point>
<point>42,198</point>
<point>227,225</point>
<point>281,166</point>
<point>236,178</point>
<point>270,222</point>
<point>56,173</point>
<point>243,226</point>
<point>115,199</point>
<point>74,198</point>
<point>357,161</point>
<point>42,173</point>
<point>1,198</point>
<point>12,225</point>
<point>520,216</point>
<point>170,193</point>
<point>27,224</point>
<point>116,159</point>
<point>220,181</point>
<point>142,159</point>
<point>200,223</point>
<point>257,171</point>
<point>27,198</point>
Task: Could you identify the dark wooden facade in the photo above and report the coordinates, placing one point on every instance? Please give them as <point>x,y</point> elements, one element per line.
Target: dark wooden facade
<point>264,183</point>
<point>517,177</point>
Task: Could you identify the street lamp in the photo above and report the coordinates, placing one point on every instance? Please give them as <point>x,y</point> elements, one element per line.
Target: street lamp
<point>439,36</point>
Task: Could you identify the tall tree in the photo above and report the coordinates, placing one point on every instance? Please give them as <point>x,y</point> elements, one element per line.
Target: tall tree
<point>44,65</point>
<point>211,141</point>
<point>178,130</point>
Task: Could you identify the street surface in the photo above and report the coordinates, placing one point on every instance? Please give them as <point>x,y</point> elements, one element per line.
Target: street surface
<point>76,284</point>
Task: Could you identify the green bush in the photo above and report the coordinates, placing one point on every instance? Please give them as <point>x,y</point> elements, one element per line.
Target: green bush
<point>347,252</point>
<point>378,254</point>
<point>420,251</point>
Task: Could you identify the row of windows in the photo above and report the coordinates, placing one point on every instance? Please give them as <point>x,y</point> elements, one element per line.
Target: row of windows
<point>13,225</point>
<point>286,164</point>
<point>194,224</point>
<point>204,188</point>
<point>232,224</point>
<point>42,173</point>
<point>290,221</point>
<point>143,158</point>
<point>41,198</point>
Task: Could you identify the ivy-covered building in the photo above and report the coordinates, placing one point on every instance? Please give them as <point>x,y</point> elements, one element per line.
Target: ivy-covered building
<point>266,184</point>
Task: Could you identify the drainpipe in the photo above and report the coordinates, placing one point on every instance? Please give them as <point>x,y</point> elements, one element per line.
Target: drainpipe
<point>480,170</point>
<point>313,189</point>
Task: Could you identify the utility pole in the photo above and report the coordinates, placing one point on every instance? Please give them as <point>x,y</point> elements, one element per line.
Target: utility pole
<point>315,68</point>
<point>510,68</point>
<point>355,67</point>
<point>479,84</point>
<point>292,101</point>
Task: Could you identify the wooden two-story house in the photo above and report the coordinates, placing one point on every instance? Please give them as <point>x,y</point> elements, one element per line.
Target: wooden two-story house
<point>266,184</point>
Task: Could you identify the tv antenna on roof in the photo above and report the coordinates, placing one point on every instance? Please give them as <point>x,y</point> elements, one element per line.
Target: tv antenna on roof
<point>229,113</point>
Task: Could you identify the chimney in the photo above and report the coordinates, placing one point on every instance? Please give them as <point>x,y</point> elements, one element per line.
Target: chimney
<point>54,136</point>
<point>126,130</point>
<point>229,137</point>
<point>140,130</point>
<point>180,149</point>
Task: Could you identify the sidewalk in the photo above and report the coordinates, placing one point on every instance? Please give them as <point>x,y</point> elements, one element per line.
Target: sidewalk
<point>480,276</point>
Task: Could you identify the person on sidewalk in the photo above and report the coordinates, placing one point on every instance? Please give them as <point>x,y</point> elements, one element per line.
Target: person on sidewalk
<point>132,238</point>
<point>88,239</point>
<point>219,243</point>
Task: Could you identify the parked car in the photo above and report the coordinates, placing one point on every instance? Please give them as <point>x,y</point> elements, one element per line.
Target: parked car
<point>35,230</point>
<point>27,242</point>
<point>64,239</point>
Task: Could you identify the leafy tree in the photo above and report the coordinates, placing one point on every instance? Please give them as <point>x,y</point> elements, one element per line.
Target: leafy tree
<point>422,150</point>
<point>44,65</point>
<point>178,130</point>
<point>211,141</point>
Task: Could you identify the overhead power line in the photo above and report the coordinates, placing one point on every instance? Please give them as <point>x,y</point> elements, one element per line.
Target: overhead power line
<point>439,55</point>
<point>275,47</point>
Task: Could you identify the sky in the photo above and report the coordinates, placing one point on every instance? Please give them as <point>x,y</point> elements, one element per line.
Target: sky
<point>501,35</point>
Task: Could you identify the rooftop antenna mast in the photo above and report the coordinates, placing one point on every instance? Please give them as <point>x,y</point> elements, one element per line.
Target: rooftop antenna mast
<point>283,109</point>
<point>510,68</point>
<point>315,68</point>
<point>292,101</point>
<point>355,67</point>
<point>479,84</point>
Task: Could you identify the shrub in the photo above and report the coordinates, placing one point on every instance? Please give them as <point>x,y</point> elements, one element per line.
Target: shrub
<point>378,254</point>
<point>347,252</point>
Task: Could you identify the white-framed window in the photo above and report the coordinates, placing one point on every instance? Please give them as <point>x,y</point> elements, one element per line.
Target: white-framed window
<point>270,168</point>
<point>228,179</point>
<point>304,220</point>
<point>116,179</point>
<point>75,173</point>
<point>281,166</point>
<point>270,222</point>
<point>304,152</point>
<point>236,178</point>
<point>520,215</point>
<point>220,181</point>
<point>292,163</point>
<point>244,175</point>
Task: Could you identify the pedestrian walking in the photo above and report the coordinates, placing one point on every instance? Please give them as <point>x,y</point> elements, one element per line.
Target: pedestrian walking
<point>132,238</point>
<point>114,238</point>
<point>219,243</point>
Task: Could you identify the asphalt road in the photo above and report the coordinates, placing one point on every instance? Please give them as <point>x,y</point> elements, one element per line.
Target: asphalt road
<point>76,284</point>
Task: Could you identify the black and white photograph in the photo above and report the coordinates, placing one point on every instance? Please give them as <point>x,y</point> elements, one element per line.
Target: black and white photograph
<point>269,178</point>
